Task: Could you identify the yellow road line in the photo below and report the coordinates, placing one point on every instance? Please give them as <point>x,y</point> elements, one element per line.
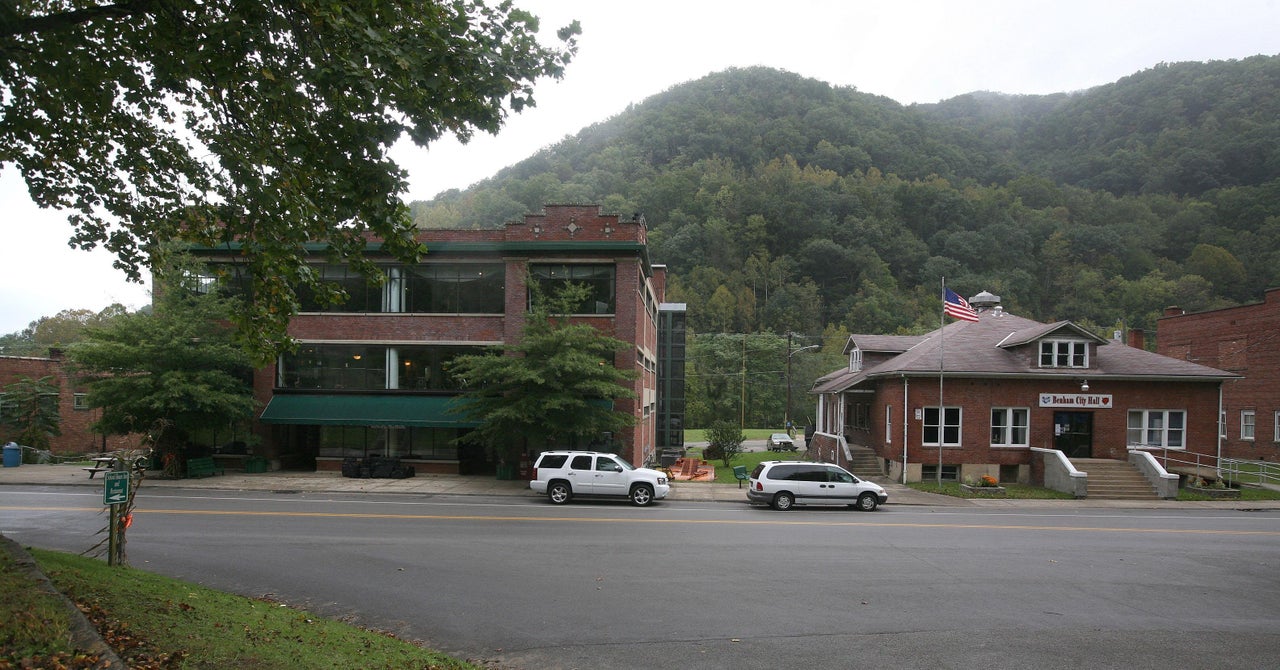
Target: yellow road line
<point>741,522</point>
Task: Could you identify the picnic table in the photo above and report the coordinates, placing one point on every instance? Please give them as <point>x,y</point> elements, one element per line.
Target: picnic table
<point>100,464</point>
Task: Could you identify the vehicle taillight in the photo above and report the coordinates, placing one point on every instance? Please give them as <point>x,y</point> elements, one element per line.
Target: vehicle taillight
<point>759,486</point>
<point>534,476</point>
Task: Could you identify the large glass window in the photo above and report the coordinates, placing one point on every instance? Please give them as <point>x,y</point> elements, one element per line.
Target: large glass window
<point>455,288</point>
<point>1157,428</point>
<point>1064,354</point>
<point>371,367</point>
<point>1009,426</point>
<point>599,279</point>
<point>362,296</point>
<point>1247,420</point>
<point>423,443</point>
<point>949,428</point>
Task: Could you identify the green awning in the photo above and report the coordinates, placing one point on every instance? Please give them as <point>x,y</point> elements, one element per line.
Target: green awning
<point>364,410</point>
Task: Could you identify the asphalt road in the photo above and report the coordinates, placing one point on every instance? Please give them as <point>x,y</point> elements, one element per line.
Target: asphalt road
<point>518,583</point>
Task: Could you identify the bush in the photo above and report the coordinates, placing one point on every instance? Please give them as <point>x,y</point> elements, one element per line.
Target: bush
<point>724,442</point>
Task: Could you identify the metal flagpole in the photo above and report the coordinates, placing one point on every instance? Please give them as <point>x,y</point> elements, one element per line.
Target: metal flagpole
<point>942,357</point>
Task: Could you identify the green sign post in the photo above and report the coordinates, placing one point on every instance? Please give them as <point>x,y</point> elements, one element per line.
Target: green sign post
<point>115,488</point>
<point>115,492</point>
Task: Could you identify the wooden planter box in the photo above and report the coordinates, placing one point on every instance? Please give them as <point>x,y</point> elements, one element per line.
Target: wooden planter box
<point>983,490</point>
<point>1223,494</point>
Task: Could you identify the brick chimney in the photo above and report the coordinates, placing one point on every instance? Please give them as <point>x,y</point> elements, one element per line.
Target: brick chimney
<point>1174,311</point>
<point>1137,338</point>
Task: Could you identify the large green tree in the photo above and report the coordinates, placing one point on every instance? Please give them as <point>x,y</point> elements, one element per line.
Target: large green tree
<point>166,374</point>
<point>261,126</point>
<point>555,387</point>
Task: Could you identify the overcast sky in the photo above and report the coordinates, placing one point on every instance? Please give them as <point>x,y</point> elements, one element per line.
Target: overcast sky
<point>913,51</point>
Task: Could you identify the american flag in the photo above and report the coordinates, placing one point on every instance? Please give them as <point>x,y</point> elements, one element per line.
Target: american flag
<point>955,306</point>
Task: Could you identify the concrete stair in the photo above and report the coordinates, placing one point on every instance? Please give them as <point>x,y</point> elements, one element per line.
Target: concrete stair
<point>863,462</point>
<point>1114,480</point>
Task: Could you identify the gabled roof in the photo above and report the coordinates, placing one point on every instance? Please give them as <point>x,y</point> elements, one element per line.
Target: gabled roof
<point>892,344</point>
<point>989,348</point>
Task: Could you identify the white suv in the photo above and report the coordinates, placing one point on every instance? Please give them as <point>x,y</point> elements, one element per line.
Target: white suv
<point>561,475</point>
<point>784,484</point>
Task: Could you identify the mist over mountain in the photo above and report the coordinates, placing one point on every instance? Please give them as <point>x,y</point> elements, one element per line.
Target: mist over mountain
<point>784,204</point>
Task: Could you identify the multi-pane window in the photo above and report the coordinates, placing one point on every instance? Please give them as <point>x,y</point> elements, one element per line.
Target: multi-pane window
<point>453,288</point>
<point>418,442</point>
<point>1157,428</point>
<point>80,401</point>
<point>1276,434</point>
<point>1247,419</point>
<point>599,280</point>
<point>1064,354</point>
<point>855,360</point>
<point>429,288</point>
<point>888,424</point>
<point>1009,426</point>
<point>948,428</point>
<point>371,367</point>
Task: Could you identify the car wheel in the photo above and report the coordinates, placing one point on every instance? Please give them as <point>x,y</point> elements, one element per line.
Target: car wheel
<point>641,495</point>
<point>867,502</point>
<point>784,501</point>
<point>559,493</point>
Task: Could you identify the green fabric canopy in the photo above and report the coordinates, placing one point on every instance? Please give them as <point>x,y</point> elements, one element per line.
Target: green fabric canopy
<point>364,410</point>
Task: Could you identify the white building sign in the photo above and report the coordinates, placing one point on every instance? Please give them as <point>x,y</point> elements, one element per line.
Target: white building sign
<point>1080,400</point>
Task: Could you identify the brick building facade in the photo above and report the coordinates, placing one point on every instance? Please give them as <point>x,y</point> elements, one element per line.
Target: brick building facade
<point>369,377</point>
<point>77,436</point>
<point>1009,384</point>
<point>1244,340</point>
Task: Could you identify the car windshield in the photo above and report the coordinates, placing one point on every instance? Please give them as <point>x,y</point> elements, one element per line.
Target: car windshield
<point>779,437</point>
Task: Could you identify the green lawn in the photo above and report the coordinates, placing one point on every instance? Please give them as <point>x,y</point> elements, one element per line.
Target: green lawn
<point>750,459</point>
<point>695,435</point>
<point>174,624</point>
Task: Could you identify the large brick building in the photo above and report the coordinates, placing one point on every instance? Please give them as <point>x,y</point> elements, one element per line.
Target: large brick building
<point>1007,386</point>
<point>1244,340</point>
<point>369,377</point>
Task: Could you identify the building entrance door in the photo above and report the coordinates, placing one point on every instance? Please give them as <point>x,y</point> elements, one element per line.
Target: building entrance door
<point>1073,434</point>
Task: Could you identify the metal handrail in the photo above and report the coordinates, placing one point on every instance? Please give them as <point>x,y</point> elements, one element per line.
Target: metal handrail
<point>1246,471</point>
<point>1201,460</point>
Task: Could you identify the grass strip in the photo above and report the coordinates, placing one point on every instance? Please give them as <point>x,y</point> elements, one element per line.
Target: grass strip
<point>158,622</point>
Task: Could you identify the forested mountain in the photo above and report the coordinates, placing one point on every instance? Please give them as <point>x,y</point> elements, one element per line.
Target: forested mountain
<point>781,203</point>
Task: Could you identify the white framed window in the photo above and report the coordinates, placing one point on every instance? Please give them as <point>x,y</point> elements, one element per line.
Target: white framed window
<point>855,360</point>
<point>1247,419</point>
<point>888,424</point>
<point>1157,428</point>
<point>1064,354</point>
<point>80,401</point>
<point>1009,426</point>
<point>1222,424</point>
<point>1276,436</point>
<point>948,429</point>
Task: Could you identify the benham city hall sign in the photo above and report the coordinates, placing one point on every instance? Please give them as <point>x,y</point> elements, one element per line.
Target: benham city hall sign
<point>1077,400</point>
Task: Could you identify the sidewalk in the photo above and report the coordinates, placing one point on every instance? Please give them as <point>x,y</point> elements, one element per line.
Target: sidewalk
<point>428,484</point>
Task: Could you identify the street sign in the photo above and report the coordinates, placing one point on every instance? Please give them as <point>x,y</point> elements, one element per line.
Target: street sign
<point>115,488</point>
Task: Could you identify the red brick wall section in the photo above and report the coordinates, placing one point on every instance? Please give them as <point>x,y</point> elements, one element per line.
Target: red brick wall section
<point>77,437</point>
<point>1244,340</point>
<point>977,397</point>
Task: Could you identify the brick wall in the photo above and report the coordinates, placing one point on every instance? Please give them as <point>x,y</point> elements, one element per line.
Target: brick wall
<point>1244,340</point>
<point>77,437</point>
<point>978,396</point>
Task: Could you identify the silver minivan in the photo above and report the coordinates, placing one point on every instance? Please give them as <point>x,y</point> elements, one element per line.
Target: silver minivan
<point>785,484</point>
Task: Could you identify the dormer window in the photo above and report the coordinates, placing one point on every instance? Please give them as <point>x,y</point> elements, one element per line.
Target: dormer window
<point>1064,354</point>
<point>855,360</point>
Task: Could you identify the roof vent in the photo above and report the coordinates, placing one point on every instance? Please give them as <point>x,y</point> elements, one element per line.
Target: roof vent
<point>984,301</point>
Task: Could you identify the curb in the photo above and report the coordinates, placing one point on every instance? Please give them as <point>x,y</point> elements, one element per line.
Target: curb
<point>84,637</point>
